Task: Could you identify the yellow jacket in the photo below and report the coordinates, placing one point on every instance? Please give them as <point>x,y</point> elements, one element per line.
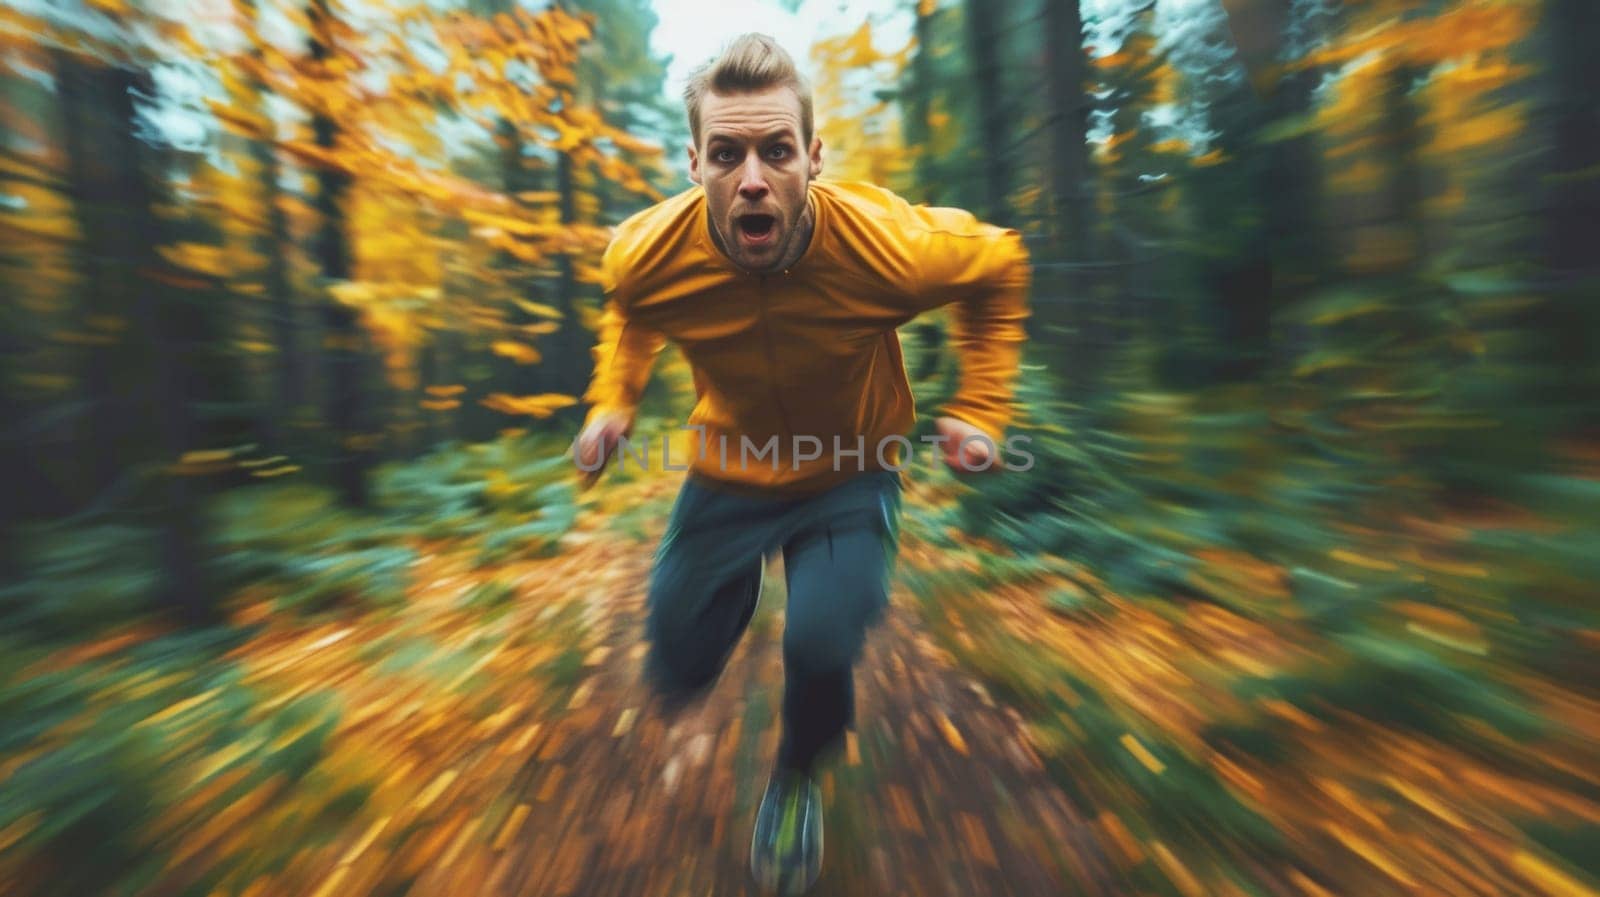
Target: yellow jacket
<point>810,351</point>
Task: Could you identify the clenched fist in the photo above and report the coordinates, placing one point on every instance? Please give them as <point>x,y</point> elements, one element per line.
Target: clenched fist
<point>595,445</point>
<point>967,449</point>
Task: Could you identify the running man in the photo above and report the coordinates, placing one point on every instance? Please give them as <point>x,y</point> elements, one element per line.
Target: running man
<point>784,293</point>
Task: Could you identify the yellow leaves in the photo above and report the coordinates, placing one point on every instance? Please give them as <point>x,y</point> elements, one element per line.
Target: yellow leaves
<point>537,328</point>
<point>1287,711</point>
<point>859,44</point>
<point>905,812</point>
<point>365,841</point>
<point>624,723</point>
<point>1358,560</point>
<point>581,694</point>
<point>1109,149</point>
<point>206,457</point>
<point>176,709</point>
<point>951,733</point>
<point>1370,852</point>
<point>1117,833</point>
<point>241,121</point>
<point>313,156</point>
<point>1446,627</point>
<point>453,389</point>
<point>518,352</point>
<point>276,471</point>
<point>1551,879</point>
<point>1465,29</point>
<point>1142,754</point>
<point>354,293</point>
<point>211,261</point>
<point>1426,801</point>
<point>976,839</point>
<point>1463,133</point>
<point>630,144</point>
<point>538,308</point>
<point>1176,872</point>
<point>19,829</point>
<point>1235,573</point>
<point>331,885</point>
<point>1238,778</point>
<point>1111,60</point>
<point>539,406</point>
<point>490,222</point>
<point>435,788</point>
<point>512,826</point>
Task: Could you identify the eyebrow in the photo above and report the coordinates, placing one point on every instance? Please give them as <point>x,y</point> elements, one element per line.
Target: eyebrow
<point>785,133</point>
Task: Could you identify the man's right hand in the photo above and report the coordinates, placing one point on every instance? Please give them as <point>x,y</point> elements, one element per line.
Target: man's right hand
<point>598,441</point>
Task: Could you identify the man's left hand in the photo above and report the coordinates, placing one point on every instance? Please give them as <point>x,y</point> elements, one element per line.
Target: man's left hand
<point>967,449</point>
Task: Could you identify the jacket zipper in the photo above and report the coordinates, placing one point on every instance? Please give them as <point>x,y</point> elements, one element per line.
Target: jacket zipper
<point>772,365</point>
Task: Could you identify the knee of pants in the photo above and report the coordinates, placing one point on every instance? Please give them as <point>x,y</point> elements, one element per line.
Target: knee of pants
<point>816,643</point>
<point>837,587</point>
<point>677,658</point>
<point>692,631</point>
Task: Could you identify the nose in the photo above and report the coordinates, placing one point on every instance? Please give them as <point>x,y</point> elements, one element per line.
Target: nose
<point>752,183</point>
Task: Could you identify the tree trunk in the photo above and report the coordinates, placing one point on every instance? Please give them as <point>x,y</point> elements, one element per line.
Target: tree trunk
<point>288,389</point>
<point>565,362</point>
<point>927,333</point>
<point>993,120</point>
<point>342,334</point>
<point>1071,200</point>
<point>1285,262</point>
<point>1572,197</point>
<point>90,116</point>
<point>920,106</point>
<point>114,195</point>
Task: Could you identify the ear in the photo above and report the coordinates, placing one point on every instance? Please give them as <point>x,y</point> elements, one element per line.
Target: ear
<point>816,156</point>
<point>694,163</point>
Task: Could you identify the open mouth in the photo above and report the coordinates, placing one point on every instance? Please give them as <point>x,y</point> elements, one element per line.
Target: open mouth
<point>757,228</point>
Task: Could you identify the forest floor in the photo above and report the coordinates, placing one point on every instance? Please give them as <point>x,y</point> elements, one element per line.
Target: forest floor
<point>489,734</point>
<point>575,786</point>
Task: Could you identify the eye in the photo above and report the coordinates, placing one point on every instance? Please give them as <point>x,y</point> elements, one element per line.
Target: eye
<point>722,155</point>
<point>778,153</point>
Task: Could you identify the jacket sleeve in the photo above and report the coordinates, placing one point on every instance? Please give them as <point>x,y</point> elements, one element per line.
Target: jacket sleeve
<point>982,273</point>
<point>625,350</point>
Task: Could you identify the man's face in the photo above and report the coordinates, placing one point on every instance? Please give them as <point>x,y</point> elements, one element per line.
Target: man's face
<point>755,171</point>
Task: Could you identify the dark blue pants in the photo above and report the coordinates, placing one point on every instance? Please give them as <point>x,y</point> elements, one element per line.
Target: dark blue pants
<point>838,548</point>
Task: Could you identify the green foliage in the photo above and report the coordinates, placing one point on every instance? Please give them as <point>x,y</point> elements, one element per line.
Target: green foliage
<point>81,580</point>
<point>515,494</point>
<point>100,738</point>
<point>491,596</point>
<point>312,554</point>
<point>512,497</point>
<point>1329,509</point>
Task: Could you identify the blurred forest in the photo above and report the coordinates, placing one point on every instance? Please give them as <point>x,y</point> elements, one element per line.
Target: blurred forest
<point>1297,599</point>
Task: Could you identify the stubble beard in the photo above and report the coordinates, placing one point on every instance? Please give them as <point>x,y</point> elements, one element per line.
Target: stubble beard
<point>794,245</point>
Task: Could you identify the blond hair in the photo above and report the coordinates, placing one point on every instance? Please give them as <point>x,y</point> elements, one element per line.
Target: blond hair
<point>753,62</point>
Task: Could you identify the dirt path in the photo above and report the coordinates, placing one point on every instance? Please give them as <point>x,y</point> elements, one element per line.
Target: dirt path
<point>937,794</point>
